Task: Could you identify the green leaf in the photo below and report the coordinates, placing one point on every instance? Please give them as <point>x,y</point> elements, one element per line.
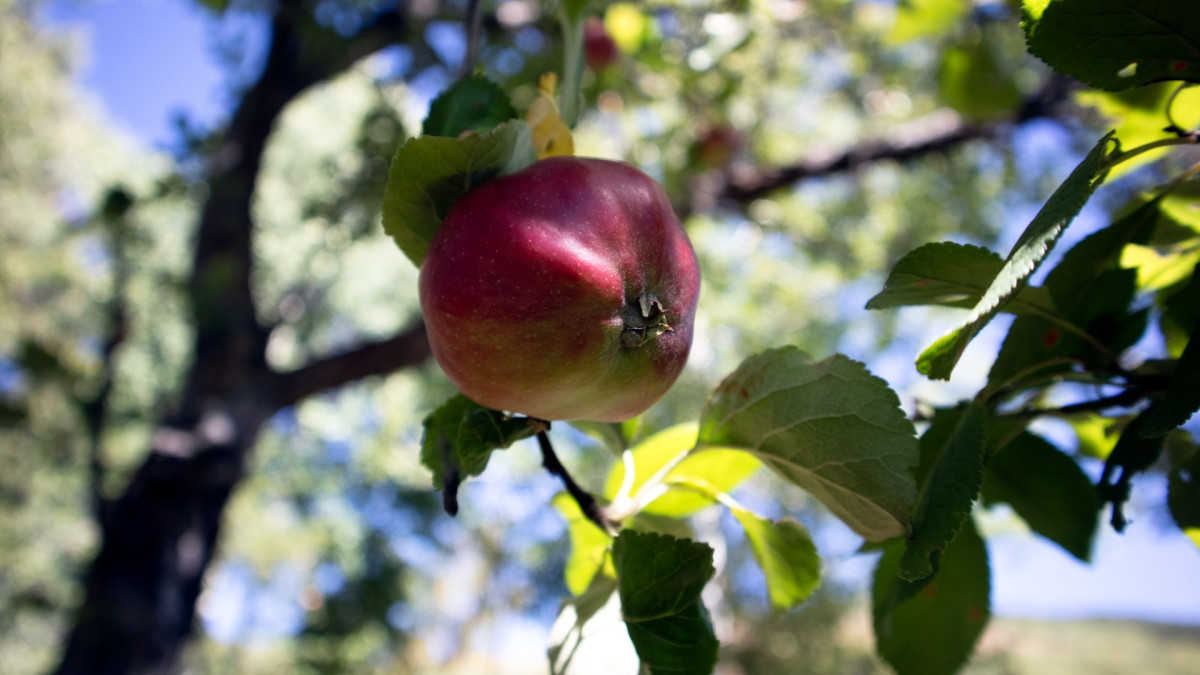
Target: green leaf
<point>1133,454</point>
<point>786,553</point>
<point>931,628</point>
<point>459,437</point>
<point>951,473</point>
<point>659,580</point>
<point>1116,44</point>
<point>1140,114</point>
<point>924,19</point>
<point>1048,491</point>
<point>1183,496</point>
<point>1182,313</point>
<point>589,546</point>
<point>721,469</point>
<point>1181,399</point>
<point>1088,287</point>
<point>829,427</point>
<point>430,173</point>
<point>952,275</point>
<point>938,361</point>
<point>973,81</point>
<point>473,104</point>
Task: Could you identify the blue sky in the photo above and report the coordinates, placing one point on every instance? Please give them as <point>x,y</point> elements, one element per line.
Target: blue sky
<point>148,61</point>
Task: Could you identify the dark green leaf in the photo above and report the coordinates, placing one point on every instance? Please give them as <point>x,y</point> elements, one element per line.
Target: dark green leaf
<point>829,427</point>
<point>930,628</point>
<point>1116,44</point>
<point>430,173</point>
<point>659,580</point>
<point>459,437</point>
<point>1182,397</point>
<point>951,472</point>
<point>1048,491</point>
<point>953,275</point>
<point>1183,496</point>
<point>1133,454</point>
<point>787,556</point>
<point>473,104</point>
<point>939,359</point>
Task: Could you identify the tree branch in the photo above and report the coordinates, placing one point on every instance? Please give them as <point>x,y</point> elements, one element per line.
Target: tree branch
<point>405,349</point>
<point>934,135</point>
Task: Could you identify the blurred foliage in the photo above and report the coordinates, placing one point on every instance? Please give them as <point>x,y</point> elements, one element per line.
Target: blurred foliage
<point>336,557</point>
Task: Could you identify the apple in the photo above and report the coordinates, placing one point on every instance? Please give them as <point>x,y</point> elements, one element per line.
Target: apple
<point>716,147</point>
<point>599,49</point>
<point>564,291</point>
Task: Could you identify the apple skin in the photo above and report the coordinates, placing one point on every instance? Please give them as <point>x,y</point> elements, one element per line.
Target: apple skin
<point>564,291</point>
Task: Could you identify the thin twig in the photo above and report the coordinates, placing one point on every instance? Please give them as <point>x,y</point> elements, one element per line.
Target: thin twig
<point>587,503</point>
<point>472,25</point>
<point>1124,399</point>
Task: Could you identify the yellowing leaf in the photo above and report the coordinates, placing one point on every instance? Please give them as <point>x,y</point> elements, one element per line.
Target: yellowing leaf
<point>626,25</point>
<point>551,135</point>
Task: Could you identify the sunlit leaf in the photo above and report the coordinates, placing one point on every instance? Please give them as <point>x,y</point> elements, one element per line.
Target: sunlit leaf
<point>1097,435</point>
<point>659,580</point>
<point>1140,114</point>
<point>720,468</point>
<point>951,473</point>
<point>430,173</point>
<point>1116,44</point>
<point>930,628</point>
<point>829,427</point>
<point>925,18</point>
<point>589,546</point>
<point>787,556</point>
<point>938,361</point>
<point>1048,491</point>
<point>952,275</point>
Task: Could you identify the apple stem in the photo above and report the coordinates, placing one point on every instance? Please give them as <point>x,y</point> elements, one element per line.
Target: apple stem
<point>587,503</point>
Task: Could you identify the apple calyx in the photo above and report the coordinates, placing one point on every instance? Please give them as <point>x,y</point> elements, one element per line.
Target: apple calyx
<point>643,321</point>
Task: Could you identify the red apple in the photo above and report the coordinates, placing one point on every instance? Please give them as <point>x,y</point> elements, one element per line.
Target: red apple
<point>717,146</point>
<point>599,49</point>
<point>564,291</point>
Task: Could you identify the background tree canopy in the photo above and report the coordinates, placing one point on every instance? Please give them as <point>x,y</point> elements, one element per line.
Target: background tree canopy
<point>215,385</point>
